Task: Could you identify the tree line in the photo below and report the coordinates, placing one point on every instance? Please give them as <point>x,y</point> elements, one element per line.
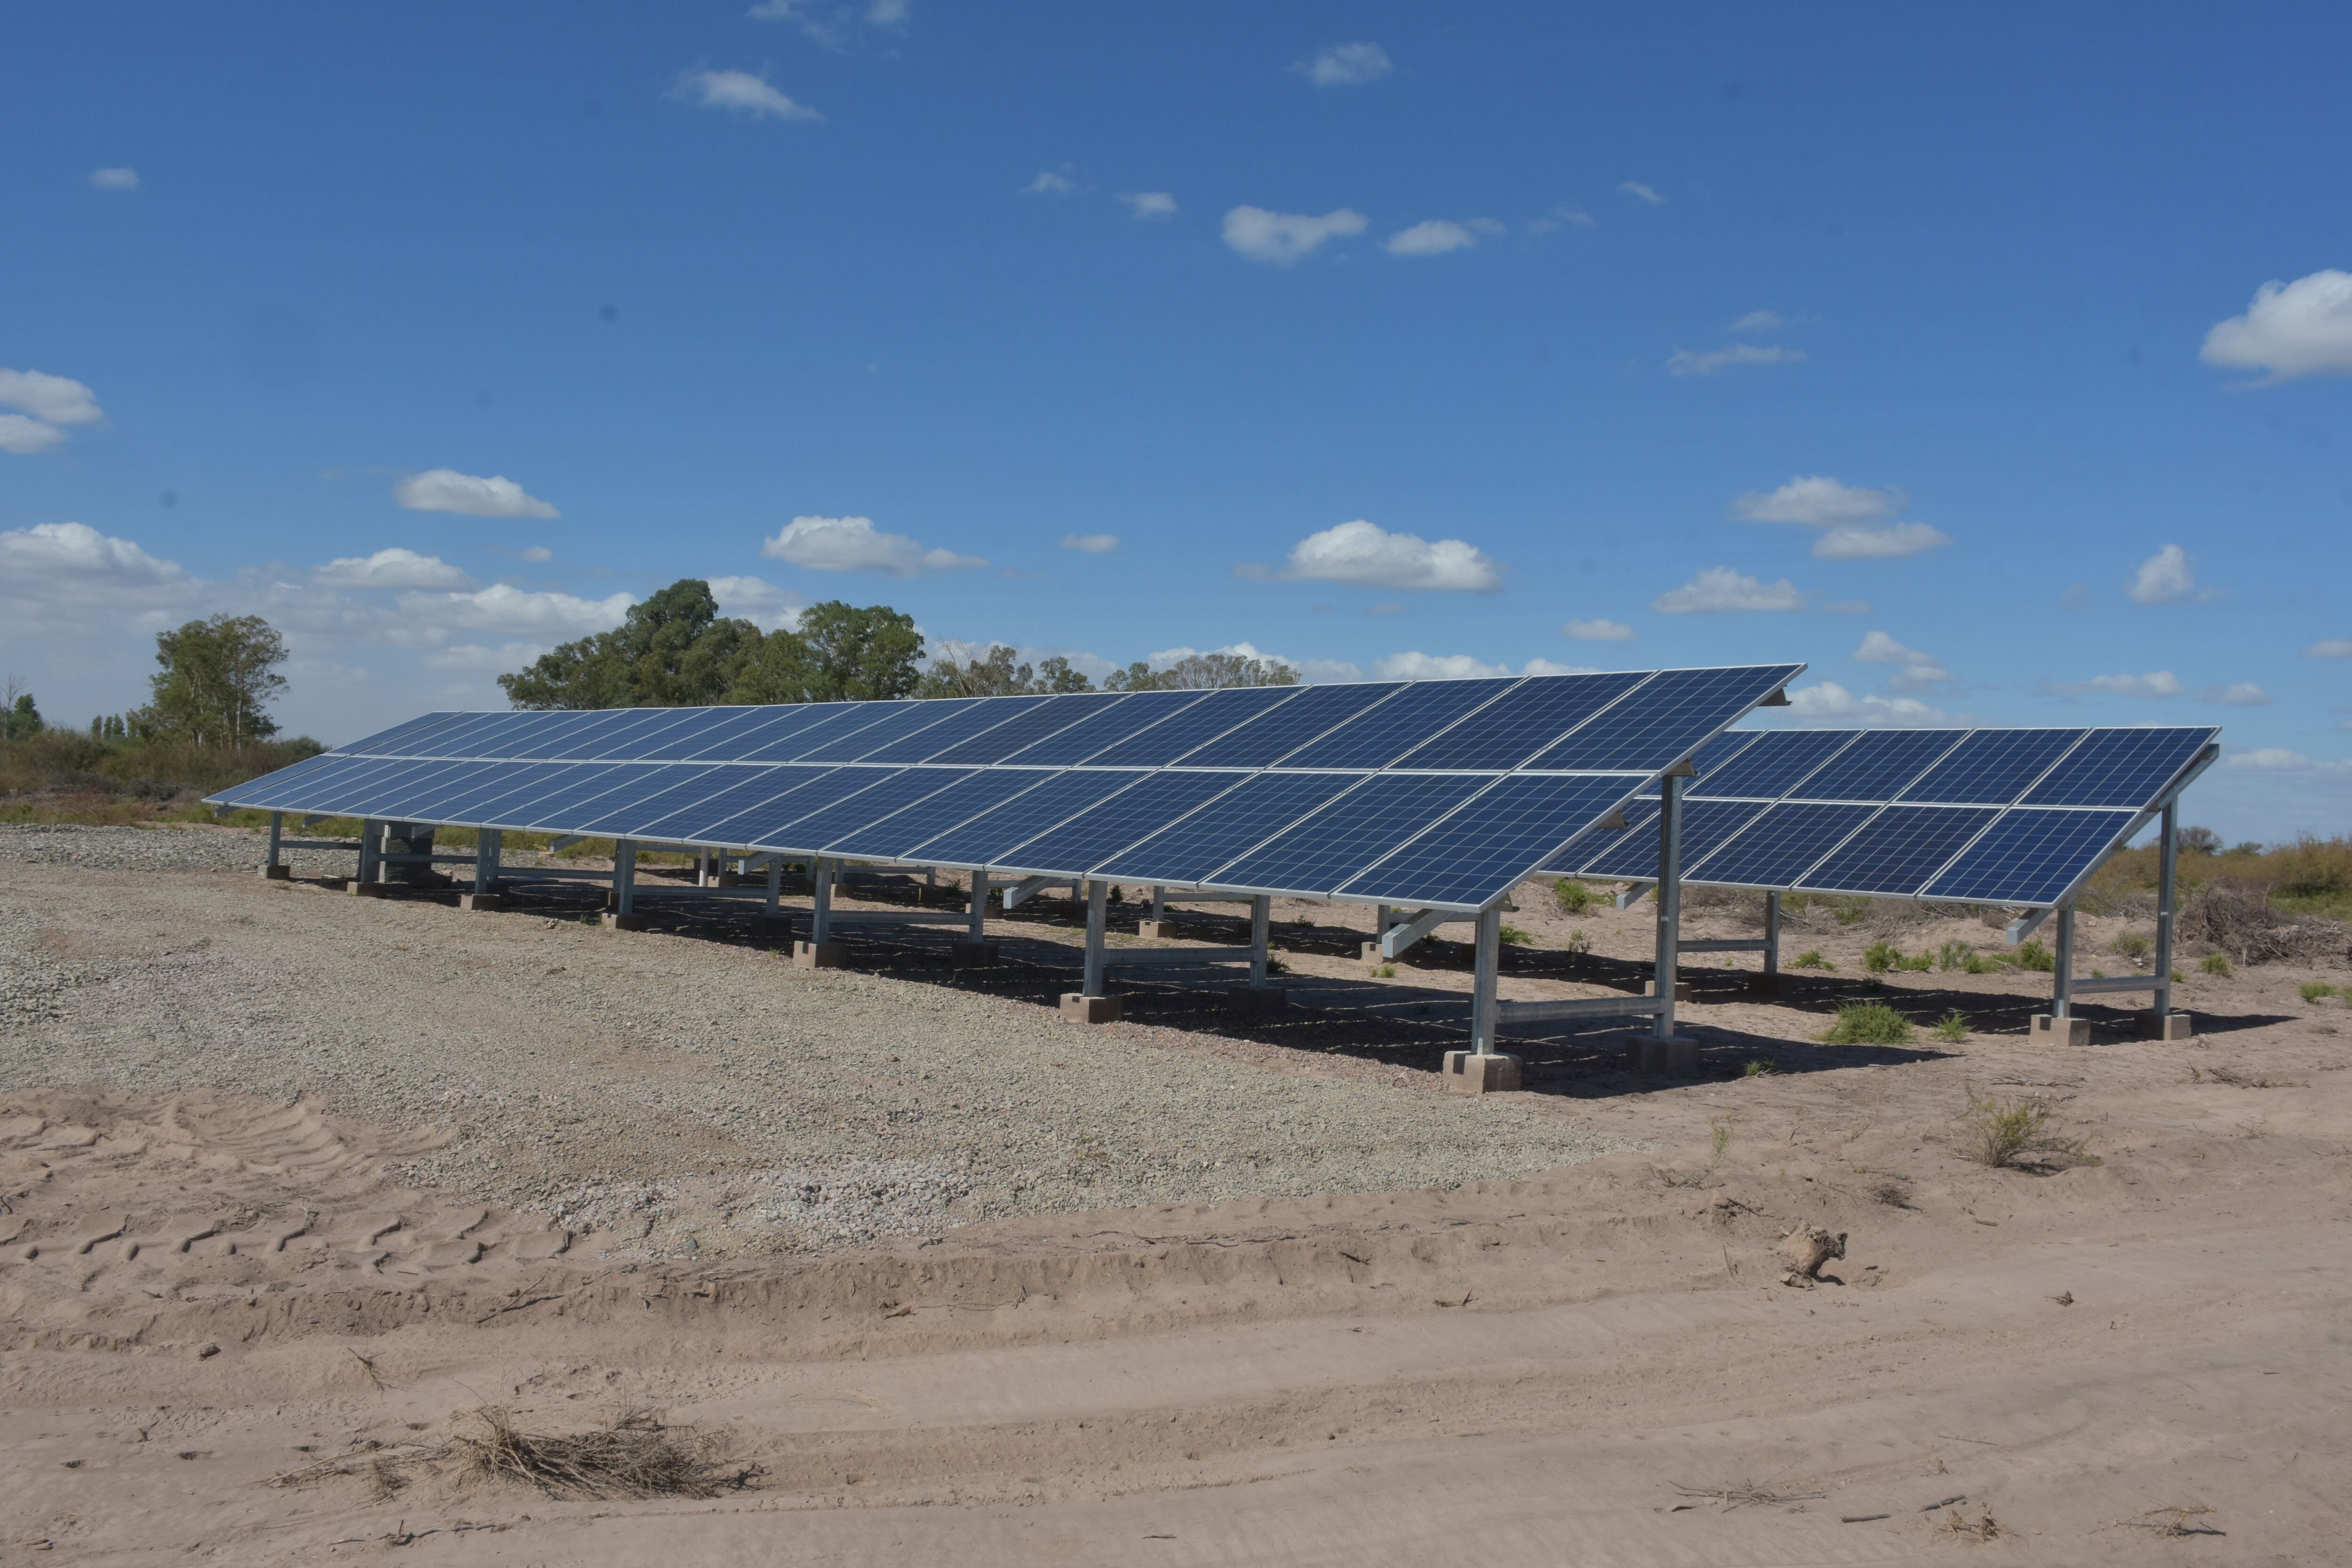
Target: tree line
<point>676,651</point>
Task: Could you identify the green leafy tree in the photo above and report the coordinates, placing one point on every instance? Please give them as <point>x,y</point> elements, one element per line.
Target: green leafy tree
<point>674,650</point>
<point>216,676</point>
<point>19,718</point>
<point>838,653</point>
<point>1202,671</point>
<point>998,676</point>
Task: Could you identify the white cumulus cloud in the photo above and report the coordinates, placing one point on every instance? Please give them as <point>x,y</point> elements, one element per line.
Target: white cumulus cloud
<point>1091,543</point>
<point>2165,577</point>
<point>2303,328</point>
<point>46,401</point>
<point>393,568</point>
<point>741,92</point>
<point>1368,555</point>
<point>855,544</point>
<point>758,600</point>
<point>1435,237</point>
<point>1919,671</point>
<point>2235,694</point>
<point>2329,647</point>
<point>54,550</point>
<point>1552,220</point>
<point>1883,543</point>
<point>445,490</point>
<point>502,608</point>
<point>1641,192</point>
<point>1819,502</point>
<point>1759,322</point>
<point>1827,703</point>
<point>114,179</point>
<point>1719,588</point>
<point>25,436</point>
<point>1149,204</point>
<point>1598,631</point>
<point>1281,240</point>
<point>2279,760</point>
<point>1348,65</point>
<point>1413,664</point>
<point>1714,362</point>
<point>1048,183</point>
<point>2155,683</point>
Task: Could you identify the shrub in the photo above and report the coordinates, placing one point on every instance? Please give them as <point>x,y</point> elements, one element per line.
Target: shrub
<point>2003,1132</point>
<point>1514,936</point>
<point>1978,964</point>
<point>1572,896</point>
<point>2132,944</point>
<point>2216,963</point>
<point>1276,966</point>
<point>1869,1023</point>
<point>1811,959</point>
<point>1385,972</point>
<point>2035,956</point>
<point>1758,1067</point>
<point>1919,962</point>
<point>1579,943</point>
<point>1952,1027</point>
<point>1955,956</point>
<point>1880,956</point>
<point>2315,990</point>
<point>1851,911</point>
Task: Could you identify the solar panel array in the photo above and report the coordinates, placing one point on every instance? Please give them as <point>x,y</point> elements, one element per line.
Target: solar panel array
<point>2007,817</point>
<point>1439,793</point>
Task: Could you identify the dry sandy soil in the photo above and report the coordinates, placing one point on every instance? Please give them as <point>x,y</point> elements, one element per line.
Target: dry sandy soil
<point>248,1325</point>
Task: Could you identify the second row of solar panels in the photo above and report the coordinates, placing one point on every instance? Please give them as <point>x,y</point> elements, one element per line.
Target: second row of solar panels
<point>2093,767</point>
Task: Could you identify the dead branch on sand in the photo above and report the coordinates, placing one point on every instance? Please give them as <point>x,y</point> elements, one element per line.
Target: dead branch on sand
<point>1746,1494</point>
<point>635,1456</point>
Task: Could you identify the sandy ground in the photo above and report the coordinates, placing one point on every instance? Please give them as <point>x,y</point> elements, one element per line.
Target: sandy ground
<point>205,1290</point>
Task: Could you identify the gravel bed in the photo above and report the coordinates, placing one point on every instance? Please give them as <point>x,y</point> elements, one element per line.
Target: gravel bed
<point>676,1095</point>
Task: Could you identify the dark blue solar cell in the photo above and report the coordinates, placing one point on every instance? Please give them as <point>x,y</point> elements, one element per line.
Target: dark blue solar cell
<point>473,803</point>
<point>252,791</point>
<point>1706,826</point>
<point>1899,849</point>
<point>562,739</point>
<point>718,739</point>
<point>1036,723</point>
<point>1991,766</point>
<point>1667,719</point>
<point>1379,736</point>
<point>1778,760</point>
<point>965,724</point>
<point>421,799</point>
<point>369,799</point>
<point>1205,721</point>
<point>393,743</point>
<point>1713,757</point>
<point>633,742</point>
<point>1533,716</point>
<point>304,787</point>
<point>818,831</point>
<point>2120,768</point>
<point>1062,796</point>
<point>1488,848</point>
<point>1104,729</point>
<point>908,722</point>
<point>660,789</point>
<point>747,798</point>
<point>1264,741</point>
<point>833,721</point>
<point>1094,835</point>
<point>1595,845</point>
<point>1330,847</point>
<point>898,833</point>
<point>1878,765</point>
<point>566,798</point>
<point>1227,827</point>
<point>454,740</point>
<point>2031,857</point>
<point>1779,846</point>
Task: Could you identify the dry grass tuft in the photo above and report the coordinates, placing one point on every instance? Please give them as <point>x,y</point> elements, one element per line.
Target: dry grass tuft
<point>2013,1134</point>
<point>2174,1522</point>
<point>635,1456</point>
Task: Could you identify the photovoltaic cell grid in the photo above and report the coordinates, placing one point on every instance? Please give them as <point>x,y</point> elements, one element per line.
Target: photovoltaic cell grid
<point>2008,816</point>
<point>1433,792</point>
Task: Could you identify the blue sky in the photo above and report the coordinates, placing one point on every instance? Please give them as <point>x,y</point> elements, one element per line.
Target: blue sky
<point>1927,349</point>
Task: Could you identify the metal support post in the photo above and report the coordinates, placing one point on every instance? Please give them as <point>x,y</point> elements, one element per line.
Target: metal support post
<point>2168,877</point>
<point>978,913</point>
<point>1159,903</point>
<point>1261,921</point>
<point>1670,901</point>
<point>1772,932</point>
<point>277,832</point>
<point>2062,985</point>
<point>1097,913</point>
<point>624,878</point>
<point>775,885</point>
<point>821,873</point>
<point>702,868</point>
<point>485,860</point>
<point>1489,948</point>
<point>371,834</point>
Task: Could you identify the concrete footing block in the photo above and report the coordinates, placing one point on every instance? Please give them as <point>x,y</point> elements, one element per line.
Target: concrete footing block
<point>2045,1030</point>
<point>486,903</point>
<point>820,955</point>
<point>631,921</point>
<point>277,873</point>
<point>1371,952</point>
<point>360,890</point>
<point>2167,1026</point>
<point>1677,1058</point>
<point>971,955</point>
<point>1155,930</point>
<point>1682,989</point>
<point>1077,1009</point>
<point>1466,1072</point>
<point>1257,998</point>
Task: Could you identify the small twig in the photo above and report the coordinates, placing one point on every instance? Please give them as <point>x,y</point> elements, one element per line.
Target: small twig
<point>1861,1518</point>
<point>1946,1503</point>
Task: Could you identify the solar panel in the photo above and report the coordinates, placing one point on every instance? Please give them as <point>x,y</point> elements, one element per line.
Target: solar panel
<point>1779,846</point>
<point>1991,766</point>
<point>1899,850</point>
<point>1766,770</point>
<point>1208,789</point>
<point>1876,765</point>
<point>2030,856</point>
<point>2120,767</point>
<point>391,742</point>
<point>1706,825</point>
